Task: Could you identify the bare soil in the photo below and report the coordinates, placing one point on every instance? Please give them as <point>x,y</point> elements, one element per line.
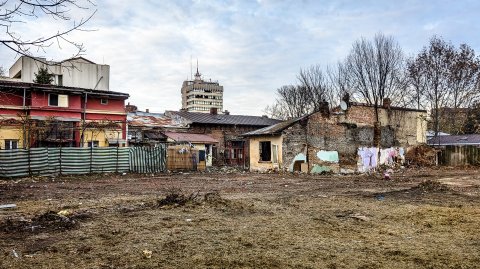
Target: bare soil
<point>423,218</point>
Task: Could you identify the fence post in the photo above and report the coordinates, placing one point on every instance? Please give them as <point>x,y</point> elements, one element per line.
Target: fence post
<point>91,157</point>
<point>60,159</point>
<point>116,168</point>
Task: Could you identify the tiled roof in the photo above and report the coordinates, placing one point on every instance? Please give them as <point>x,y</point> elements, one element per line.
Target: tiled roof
<point>274,129</point>
<point>144,119</point>
<point>445,140</point>
<point>192,138</point>
<point>205,118</point>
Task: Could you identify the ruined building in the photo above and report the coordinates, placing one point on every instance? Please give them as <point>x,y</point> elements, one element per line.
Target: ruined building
<point>338,140</point>
<point>201,96</point>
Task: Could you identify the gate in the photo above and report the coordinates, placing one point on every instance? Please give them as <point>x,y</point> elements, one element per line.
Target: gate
<point>148,159</point>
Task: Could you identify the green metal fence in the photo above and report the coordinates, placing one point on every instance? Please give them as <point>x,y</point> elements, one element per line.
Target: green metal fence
<point>71,161</point>
<point>148,159</point>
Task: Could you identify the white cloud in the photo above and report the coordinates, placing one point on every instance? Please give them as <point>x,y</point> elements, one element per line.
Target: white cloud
<point>251,47</point>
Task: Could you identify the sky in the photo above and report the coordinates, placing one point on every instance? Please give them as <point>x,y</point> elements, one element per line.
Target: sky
<point>251,48</point>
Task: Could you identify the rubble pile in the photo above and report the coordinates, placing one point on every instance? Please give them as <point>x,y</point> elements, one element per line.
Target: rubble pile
<point>421,155</point>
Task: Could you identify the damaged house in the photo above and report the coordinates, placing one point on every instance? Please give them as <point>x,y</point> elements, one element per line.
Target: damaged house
<point>231,148</point>
<point>338,140</point>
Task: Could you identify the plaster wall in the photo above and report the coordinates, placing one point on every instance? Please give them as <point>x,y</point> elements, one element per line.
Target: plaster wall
<point>255,163</point>
<point>11,133</point>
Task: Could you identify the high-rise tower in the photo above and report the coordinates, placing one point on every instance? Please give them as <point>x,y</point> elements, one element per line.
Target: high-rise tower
<point>201,96</point>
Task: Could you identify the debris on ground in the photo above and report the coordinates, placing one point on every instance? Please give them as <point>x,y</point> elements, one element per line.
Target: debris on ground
<point>432,186</point>
<point>421,155</point>
<point>15,254</point>
<point>49,221</point>
<point>177,198</point>
<point>64,213</point>
<point>8,206</point>
<point>147,254</point>
<point>225,169</point>
<point>352,215</point>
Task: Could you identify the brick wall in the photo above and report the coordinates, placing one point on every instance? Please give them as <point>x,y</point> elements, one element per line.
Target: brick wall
<point>345,133</point>
<point>294,143</point>
<point>222,133</point>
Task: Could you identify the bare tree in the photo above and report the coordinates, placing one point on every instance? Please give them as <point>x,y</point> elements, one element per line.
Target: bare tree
<point>339,82</point>
<point>16,12</point>
<point>310,94</point>
<point>314,83</point>
<point>446,80</point>
<point>2,71</point>
<point>375,70</point>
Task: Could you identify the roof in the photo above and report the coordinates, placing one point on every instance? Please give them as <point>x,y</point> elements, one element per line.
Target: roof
<point>455,140</point>
<point>144,119</point>
<point>77,59</point>
<point>205,118</point>
<point>48,87</point>
<point>431,133</point>
<point>276,128</point>
<point>192,138</point>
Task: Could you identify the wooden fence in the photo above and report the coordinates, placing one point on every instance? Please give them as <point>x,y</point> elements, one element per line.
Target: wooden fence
<point>459,155</point>
<point>182,158</point>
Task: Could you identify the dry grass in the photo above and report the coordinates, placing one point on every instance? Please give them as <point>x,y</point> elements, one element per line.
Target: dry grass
<point>247,221</point>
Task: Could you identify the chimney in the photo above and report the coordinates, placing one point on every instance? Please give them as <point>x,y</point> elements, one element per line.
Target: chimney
<point>213,110</point>
<point>131,108</point>
<point>386,103</point>
<point>147,110</point>
<point>226,112</point>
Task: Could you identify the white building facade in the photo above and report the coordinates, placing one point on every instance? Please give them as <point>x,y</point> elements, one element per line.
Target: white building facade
<point>201,96</point>
<point>76,72</point>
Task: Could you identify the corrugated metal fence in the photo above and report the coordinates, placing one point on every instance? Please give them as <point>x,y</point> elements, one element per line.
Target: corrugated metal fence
<point>70,161</point>
<point>148,159</point>
<point>459,155</point>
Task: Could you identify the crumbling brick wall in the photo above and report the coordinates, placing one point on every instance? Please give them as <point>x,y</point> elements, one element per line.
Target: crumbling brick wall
<point>294,143</point>
<point>398,127</point>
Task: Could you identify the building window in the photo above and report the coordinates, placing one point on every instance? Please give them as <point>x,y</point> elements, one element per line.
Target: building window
<point>60,80</point>
<point>93,144</point>
<point>53,99</point>
<point>104,101</point>
<point>60,100</point>
<point>265,151</point>
<point>11,144</point>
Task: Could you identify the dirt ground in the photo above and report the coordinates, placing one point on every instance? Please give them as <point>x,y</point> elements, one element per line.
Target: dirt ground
<point>421,218</point>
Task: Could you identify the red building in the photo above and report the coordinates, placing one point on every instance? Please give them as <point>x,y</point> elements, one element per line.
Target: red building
<point>38,115</point>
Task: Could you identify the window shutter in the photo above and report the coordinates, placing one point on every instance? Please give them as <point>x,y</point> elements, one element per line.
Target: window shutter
<point>62,100</point>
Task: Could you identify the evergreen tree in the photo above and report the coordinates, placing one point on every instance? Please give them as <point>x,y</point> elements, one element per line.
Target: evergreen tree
<point>43,77</point>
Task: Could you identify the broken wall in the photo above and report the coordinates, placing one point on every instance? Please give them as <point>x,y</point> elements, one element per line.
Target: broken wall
<point>399,126</point>
<point>328,142</point>
<point>294,146</point>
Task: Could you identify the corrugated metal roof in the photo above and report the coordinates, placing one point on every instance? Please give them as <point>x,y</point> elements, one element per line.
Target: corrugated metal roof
<point>144,119</point>
<point>446,140</point>
<point>193,138</point>
<point>205,118</point>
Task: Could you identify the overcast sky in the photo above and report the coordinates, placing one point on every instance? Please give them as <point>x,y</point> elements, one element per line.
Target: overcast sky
<point>251,47</point>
